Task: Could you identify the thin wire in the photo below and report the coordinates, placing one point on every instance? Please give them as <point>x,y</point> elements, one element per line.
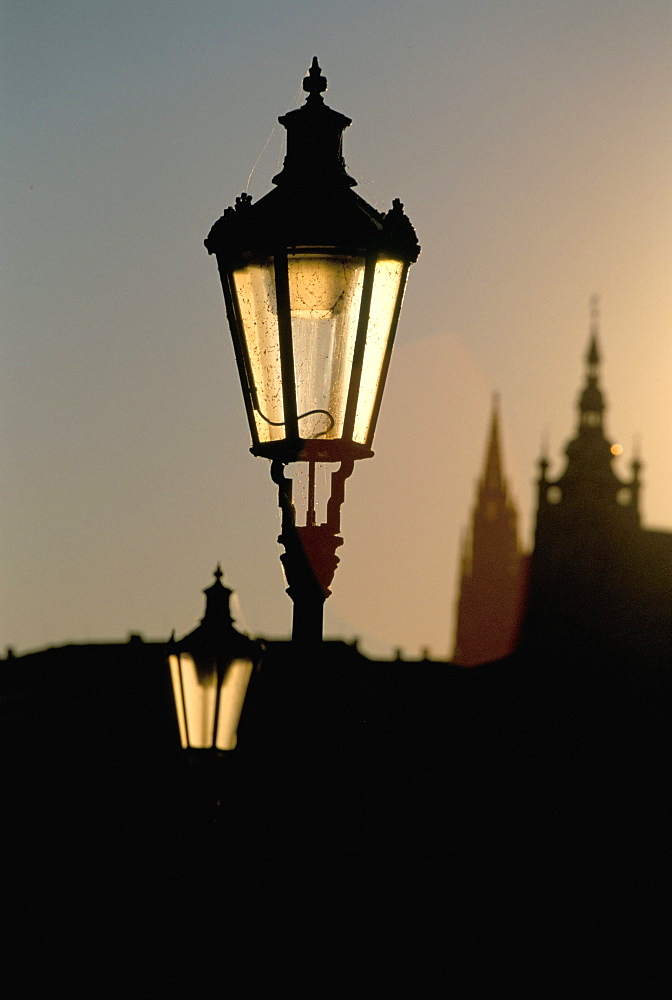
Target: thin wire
<point>256,163</point>
<point>297,100</point>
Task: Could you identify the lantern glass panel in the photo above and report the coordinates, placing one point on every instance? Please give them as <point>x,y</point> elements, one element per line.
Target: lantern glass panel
<point>255,290</point>
<point>325,293</point>
<point>386,290</point>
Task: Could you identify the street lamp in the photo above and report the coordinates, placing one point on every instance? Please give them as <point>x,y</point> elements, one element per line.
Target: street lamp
<point>210,670</point>
<point>313,280</point>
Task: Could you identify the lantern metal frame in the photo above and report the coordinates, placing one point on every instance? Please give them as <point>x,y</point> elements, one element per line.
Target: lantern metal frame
<point>312,212</point>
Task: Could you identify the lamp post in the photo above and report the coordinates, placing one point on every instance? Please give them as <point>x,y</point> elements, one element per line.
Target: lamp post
<point>313,279</point>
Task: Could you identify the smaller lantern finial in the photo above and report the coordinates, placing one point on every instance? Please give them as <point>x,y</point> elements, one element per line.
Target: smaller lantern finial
<point>218,572</point>
<point>314,84</point>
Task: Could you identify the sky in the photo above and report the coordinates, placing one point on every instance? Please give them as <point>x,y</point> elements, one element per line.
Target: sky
<point>530,143</point>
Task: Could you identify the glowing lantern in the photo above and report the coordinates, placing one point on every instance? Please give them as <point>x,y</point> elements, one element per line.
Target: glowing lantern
<point>313,280</point>
<point>210,670</point>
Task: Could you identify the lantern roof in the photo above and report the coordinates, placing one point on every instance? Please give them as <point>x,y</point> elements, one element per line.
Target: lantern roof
<point>217,598</point>
<point>313,204</point>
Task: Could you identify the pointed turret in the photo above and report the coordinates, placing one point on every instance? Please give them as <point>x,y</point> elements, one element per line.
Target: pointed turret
<point>589,485</point>
<point>593,354</point>
<point>591,400</point>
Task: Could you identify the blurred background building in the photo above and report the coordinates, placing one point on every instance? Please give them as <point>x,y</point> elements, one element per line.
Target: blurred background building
<point>597,583</point>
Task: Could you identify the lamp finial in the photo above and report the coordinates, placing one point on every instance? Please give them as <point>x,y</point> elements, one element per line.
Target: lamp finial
<point>314,84</point>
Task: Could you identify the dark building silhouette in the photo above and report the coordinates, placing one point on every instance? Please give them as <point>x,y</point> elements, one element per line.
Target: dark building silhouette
<point>415,823</point>
<point>493,568</point>
<point>600,583</point>
<point>597,585</point>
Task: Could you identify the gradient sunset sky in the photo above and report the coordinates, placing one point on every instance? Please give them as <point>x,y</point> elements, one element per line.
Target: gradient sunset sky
<point>529,141</point>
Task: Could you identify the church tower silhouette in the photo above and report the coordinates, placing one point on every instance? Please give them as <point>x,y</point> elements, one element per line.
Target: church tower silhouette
<point>589,495</point>
<point>599,583</point>
<point>492,572</point>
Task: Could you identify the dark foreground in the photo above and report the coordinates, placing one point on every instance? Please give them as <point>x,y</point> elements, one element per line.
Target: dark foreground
<point>427,829</point>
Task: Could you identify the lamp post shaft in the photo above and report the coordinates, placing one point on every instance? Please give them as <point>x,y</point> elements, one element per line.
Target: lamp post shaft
<point>310,559</point>
<point>307,624</point>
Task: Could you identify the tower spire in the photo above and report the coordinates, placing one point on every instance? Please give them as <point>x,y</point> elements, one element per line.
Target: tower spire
<point>492,574</point>
<point>594,302</point>
<point>593,353</point>
<point>492,476</point>
<point>591,400</point>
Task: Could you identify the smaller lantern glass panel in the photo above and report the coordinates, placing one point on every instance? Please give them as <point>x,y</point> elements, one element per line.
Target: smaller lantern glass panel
<point>196,713</point>
<point>386,290</point>
<point>325,293</point>
<point>197,681</point>
<point>231,699</point>
<point>174,663</point>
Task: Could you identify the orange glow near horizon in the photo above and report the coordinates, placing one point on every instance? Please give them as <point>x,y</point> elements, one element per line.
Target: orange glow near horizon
<point>534,187</point>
